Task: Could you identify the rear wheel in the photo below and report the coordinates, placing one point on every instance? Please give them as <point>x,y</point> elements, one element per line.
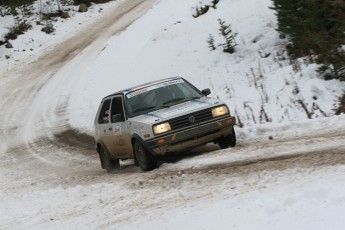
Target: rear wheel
<point>145,159</point>
<point>230,140</point>
<point>107,162</point>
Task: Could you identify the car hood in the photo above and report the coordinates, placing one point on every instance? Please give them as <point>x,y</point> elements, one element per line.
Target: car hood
<point>177,110</point>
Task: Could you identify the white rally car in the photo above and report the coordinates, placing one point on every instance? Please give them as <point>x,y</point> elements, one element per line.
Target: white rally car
<point>158,118</point>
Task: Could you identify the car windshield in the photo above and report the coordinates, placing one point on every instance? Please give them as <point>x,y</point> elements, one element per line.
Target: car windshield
<point>161,95</point>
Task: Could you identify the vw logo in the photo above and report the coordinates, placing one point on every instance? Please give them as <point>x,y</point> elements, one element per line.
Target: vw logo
<point>191,119</point>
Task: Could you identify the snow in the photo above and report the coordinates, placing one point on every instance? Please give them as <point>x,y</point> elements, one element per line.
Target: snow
<point>177,45</point>
<point>303,205</point>
<point>285,173</point>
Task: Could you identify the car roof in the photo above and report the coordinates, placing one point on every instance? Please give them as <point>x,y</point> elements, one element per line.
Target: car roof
<point>125,91</point>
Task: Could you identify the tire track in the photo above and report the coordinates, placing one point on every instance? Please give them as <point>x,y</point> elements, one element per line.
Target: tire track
<point>24,115</point>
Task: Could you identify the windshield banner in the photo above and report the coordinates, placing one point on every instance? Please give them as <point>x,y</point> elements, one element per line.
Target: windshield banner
<point>156,86</point>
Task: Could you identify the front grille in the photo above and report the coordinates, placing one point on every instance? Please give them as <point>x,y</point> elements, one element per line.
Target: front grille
<point>183,121</point>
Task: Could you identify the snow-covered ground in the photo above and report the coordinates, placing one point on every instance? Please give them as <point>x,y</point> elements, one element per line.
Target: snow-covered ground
<point>286,172</point>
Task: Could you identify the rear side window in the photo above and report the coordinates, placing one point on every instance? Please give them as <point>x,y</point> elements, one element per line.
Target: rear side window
<point>117,113</point>
<point>104,113</point>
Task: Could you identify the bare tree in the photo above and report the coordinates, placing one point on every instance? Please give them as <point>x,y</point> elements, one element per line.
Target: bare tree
<point>59,5</point>
<point>44,3</point>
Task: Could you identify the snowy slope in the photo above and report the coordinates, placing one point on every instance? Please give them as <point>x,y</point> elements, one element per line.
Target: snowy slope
<point>176,45</point>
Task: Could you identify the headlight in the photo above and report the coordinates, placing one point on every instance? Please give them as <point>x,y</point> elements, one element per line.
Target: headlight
<point>220,111</point>
<point>161,128</point>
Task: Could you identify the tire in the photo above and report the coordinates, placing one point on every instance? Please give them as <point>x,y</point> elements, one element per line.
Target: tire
<point>230,140</point>
<point>145,159</point>
<point>107,162</point>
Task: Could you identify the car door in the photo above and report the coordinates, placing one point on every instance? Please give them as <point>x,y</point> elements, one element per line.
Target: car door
<point>104,128</point>
<point>121,142</point>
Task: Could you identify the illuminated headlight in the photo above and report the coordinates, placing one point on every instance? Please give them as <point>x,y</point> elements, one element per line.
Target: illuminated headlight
<point>220,111</point>
<point>161,128</point>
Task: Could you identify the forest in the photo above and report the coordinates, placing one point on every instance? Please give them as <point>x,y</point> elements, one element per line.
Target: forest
<point>315,29</point>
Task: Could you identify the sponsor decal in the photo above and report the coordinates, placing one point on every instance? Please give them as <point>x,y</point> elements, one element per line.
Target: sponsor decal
<point>172,82</point>
<point>156,86</point>
<point>152,115</point>
<point>200,101</point>
<point>117,129</point>
<point>135,93</point>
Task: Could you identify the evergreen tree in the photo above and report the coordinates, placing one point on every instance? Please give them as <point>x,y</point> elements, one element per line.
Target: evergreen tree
<point>15,2</point>
<point>210,42</point>
<point>315,28</point>
<point>229,37</point>
<point>290,17</point>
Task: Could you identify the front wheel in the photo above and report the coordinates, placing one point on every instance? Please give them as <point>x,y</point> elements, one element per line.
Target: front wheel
<point>145,160</point>
<point>107,162</point>
<point>230,140</point>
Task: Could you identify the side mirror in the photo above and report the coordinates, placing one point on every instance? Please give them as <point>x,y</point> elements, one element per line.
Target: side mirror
<point>206,91</point>
<point>116,118</point>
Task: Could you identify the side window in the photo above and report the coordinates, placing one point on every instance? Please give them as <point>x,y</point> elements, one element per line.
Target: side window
<point>104,113</point>
<point>117,114</point>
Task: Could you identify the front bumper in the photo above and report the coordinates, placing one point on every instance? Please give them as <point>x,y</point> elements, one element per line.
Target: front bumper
<point>190,137</point>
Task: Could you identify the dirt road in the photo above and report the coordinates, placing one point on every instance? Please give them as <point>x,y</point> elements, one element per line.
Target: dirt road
<point>204,174</point>
<point>23,109</point>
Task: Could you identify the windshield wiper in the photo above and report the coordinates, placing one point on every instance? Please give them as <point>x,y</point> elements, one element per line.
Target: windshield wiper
<point>143,109</point>
<point>163,106</point>
<point>174,100</point>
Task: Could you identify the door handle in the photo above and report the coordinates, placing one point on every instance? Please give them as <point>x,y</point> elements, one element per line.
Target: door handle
<point>110,128</point>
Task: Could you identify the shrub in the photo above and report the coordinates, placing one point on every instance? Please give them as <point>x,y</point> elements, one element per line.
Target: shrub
<point>49,28</point>
<point>210,42</point>
<point>15,3</point>
<point>6,10</point>
<point>341,108</point>
<point>88,2</point>
<point>21,25</point>
<point>229,38</point>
